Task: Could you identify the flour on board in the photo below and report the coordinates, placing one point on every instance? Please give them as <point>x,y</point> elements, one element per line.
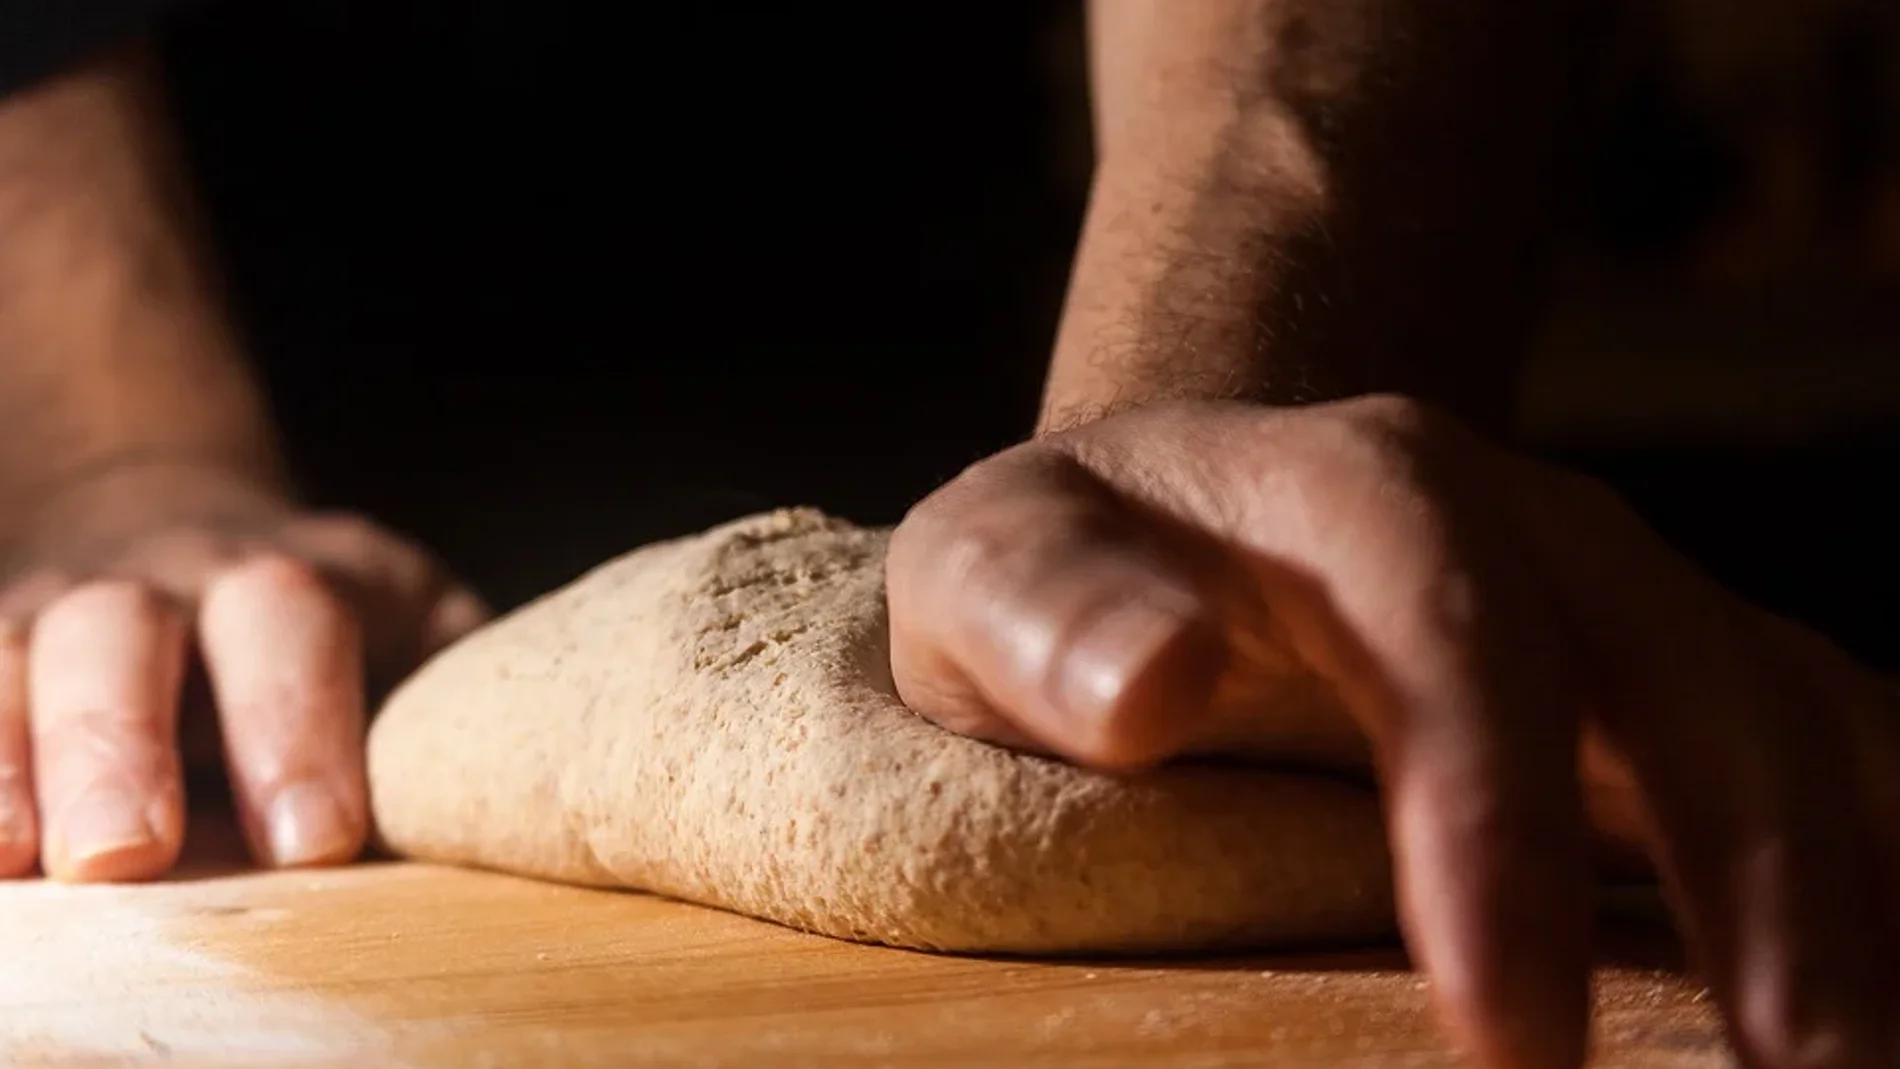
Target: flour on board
<point>97,973</point>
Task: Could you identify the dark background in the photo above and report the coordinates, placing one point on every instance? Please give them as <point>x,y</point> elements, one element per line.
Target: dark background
<point>537,282</point>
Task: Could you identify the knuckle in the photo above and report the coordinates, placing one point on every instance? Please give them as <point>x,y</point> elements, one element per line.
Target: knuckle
<point>925,517</point>
<point>938,533</point>
<point>24,596</point>
<point>456,613</point>
<point>1395,432</point>
<point>113,737</point>
<point>35,580</point>
<point>346,534</point>
<point>975,553</point>
<point>1014,545</point>
<point>917,518</point>
<point>186,543</point>
<point>1394,412</point>
<point>119,595</point>
<point>180,560</point>
<point>273,571</point>
<point>999,526</point>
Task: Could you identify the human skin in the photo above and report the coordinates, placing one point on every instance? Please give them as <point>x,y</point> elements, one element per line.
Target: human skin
<point>145,514</point>
<point>1297,201</point>
<point>1309,215</point>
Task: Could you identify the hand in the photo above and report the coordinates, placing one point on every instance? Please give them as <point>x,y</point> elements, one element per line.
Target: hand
<point>1130,591</point>
<point>289,615</point>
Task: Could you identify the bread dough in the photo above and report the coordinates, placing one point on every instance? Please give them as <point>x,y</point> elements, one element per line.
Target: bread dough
<point>713,719</point>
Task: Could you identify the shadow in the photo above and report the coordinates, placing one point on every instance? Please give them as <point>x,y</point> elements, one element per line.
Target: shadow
<point>1313,958</point>
<point>1621,942</point>
<point>214,845</point>
<point>1631,930</point>
<point>1632,927</point>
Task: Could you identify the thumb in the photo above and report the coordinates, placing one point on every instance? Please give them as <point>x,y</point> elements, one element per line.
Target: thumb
<point>1031,605</point>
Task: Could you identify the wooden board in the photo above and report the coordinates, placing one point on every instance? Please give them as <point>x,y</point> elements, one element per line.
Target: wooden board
<point>404,965</point>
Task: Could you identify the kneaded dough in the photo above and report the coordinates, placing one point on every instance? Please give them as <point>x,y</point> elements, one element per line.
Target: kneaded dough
<point>713,719</point>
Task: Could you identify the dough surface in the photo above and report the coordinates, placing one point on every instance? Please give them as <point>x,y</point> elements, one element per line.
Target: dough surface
<point>713,719</point>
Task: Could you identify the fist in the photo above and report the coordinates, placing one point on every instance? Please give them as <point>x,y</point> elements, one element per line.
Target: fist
<point>1521,661</point>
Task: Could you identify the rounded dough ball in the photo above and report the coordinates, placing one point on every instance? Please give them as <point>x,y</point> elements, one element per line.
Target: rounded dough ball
<point>713,719</point>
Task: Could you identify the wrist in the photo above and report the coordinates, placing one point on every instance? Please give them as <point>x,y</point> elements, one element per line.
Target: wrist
<point>122,382</point>
<point>1178,293</point>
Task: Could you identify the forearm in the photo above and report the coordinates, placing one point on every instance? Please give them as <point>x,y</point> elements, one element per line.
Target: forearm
<point>115,356</point>
<point>1301,200</point>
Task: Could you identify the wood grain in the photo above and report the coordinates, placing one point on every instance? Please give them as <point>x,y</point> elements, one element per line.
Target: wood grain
<point>396,964</point>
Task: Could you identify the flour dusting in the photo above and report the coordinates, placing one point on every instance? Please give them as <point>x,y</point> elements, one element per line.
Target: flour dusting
<point>96,973</point>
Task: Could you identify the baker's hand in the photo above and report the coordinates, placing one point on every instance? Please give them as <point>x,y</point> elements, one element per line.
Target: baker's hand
<point>289,614</point>
<point>1117,594</point>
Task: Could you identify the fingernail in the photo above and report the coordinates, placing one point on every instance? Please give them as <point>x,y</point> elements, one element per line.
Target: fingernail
<point>306,827</point>
<point>104,821</point>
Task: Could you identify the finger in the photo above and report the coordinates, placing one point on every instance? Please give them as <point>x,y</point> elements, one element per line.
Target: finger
<point>103,674</point>
<point>456,613</point>
<point>1479,768</point>
<point>286,666</point>
<point>1775,880</point>
<point>398,588</point>
<point>1436,640</point>
<point>21,602</point>
<point>1749,770</point>
<point>1868,727</point>
<point>1866,730</point>
<point>19,824</point>
<point>1446,667</point>
<point>177,562</point>
<point>1369,540</point>
<point>1027,606</point>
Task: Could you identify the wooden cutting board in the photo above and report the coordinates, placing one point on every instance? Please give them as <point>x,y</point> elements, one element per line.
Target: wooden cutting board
<point>405,965</point>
